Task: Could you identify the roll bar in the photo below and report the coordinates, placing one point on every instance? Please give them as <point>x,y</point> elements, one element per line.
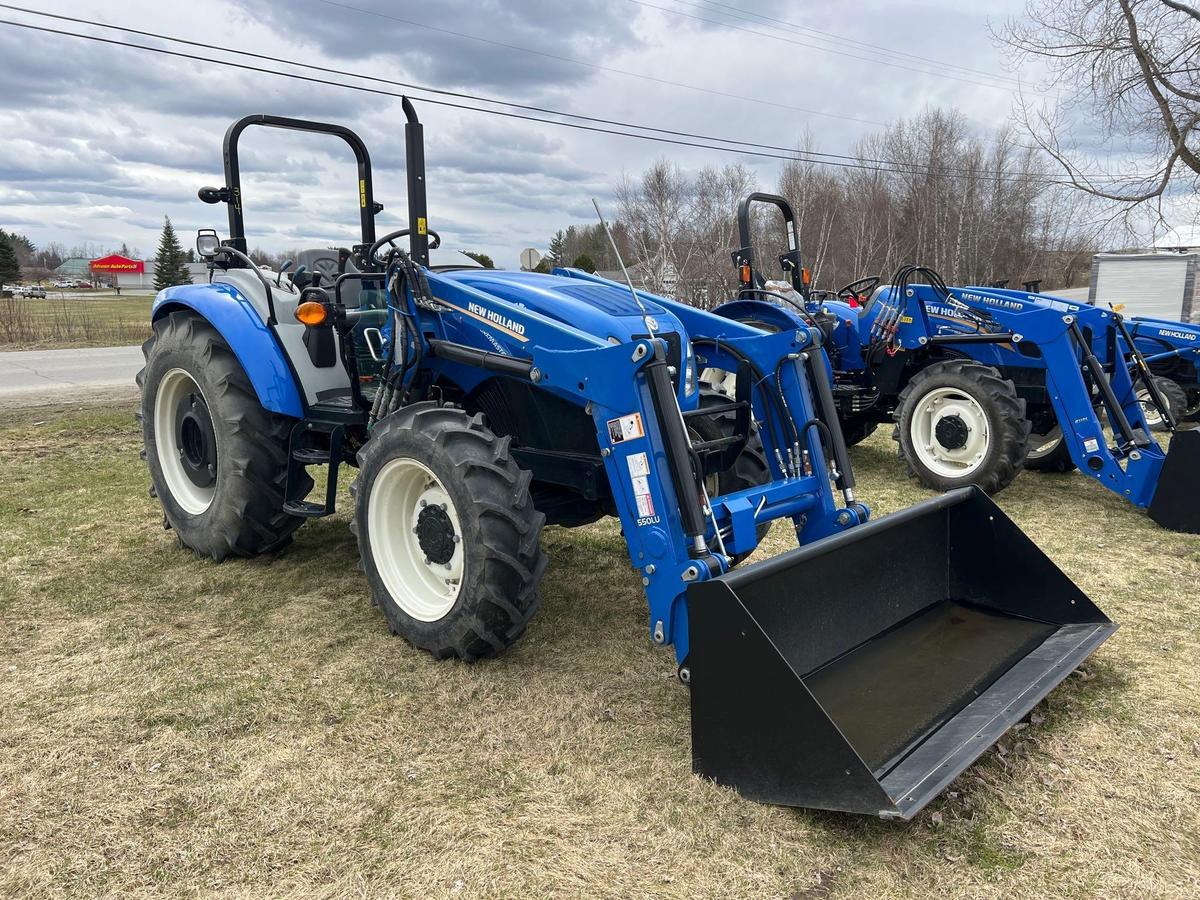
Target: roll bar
<point>743,258</point>
<point>231,193</point>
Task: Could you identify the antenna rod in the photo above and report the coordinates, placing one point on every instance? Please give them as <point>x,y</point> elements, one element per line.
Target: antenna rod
<point>624,271</point>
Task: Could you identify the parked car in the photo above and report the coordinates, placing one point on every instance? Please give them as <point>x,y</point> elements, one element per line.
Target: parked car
<point>32,291</point>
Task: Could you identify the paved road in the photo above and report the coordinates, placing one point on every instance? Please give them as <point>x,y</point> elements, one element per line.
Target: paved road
<point>36,377</point>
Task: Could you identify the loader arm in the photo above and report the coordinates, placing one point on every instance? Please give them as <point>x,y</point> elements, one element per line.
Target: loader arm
<point>1090,364</point>
<point>646,459</point>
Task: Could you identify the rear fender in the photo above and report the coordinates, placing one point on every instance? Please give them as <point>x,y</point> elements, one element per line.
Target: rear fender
<point>240,324</point>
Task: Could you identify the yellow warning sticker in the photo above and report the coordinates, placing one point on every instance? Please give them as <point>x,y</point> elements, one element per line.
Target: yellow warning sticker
<point>362,193</point>
<point>422,227</point>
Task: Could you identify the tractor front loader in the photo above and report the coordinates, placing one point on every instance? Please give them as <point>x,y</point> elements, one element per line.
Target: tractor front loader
<point>982,382</point>
<point>860,672</point>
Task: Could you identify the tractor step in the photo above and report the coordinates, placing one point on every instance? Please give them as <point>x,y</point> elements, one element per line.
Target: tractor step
<point>305,509</point>
<point>301,453</point>
<point>311,456</point>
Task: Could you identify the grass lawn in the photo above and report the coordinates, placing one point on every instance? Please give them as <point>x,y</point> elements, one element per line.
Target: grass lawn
<point>74,321</point>
<point>175,727</point>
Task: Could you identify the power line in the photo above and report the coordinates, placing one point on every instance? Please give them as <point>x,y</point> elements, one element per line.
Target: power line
<point>418,87</point>
<point>793,153</point>
<point>785,40</point>
<point>597,66</point>
<point>788,155</point>
<point>743,13</point>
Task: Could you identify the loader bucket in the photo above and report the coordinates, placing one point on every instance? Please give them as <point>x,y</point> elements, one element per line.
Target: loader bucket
<point>1176,501</point>
<point>864,672</point>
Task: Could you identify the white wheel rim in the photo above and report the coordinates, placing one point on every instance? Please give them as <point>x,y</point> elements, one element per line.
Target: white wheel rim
<point>424,588</point>
<point>939,408</point>
<point>1151,412</point>
<point>174,386</point>
<point>1041,445</point>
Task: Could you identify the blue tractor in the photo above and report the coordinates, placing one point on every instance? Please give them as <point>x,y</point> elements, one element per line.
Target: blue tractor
<point>860,672</point>
<point>983,382</point>
<point>1172,350</point>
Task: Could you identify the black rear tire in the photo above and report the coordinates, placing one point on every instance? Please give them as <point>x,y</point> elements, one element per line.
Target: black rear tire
<point>991,397</point>
<point>497,532</point>
<point>247,445</point>
<point>1044,457</point>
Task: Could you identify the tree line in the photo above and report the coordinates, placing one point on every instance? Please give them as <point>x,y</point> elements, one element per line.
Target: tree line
<point>977,209</point>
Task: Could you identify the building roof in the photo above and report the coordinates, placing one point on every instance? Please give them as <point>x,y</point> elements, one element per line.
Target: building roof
<point>77,266</point>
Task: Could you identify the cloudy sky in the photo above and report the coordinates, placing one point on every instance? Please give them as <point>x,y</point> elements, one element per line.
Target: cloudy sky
<point>98,142</point>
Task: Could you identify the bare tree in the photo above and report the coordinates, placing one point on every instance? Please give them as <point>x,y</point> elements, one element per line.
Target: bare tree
<point>926,190</point>
<point>656,209</point>
<point>1133,67</point>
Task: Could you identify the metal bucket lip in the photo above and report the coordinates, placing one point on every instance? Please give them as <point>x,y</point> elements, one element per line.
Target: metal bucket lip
<point>912,799</point>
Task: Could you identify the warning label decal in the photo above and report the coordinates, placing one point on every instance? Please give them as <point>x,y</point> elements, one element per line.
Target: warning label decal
<point>639,476</point>
<point>626,428</point>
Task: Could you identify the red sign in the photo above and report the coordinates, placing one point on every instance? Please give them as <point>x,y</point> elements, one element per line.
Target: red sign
<point>118,264</point>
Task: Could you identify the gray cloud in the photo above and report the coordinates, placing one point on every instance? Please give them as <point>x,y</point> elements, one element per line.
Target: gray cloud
<point>97,142</point>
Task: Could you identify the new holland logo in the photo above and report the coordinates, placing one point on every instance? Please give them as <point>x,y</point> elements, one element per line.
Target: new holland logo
<point>495,318</point>
<point>1182,335</point>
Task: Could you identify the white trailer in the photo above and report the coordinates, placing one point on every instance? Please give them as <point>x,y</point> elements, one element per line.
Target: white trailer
<point>1159,285</point>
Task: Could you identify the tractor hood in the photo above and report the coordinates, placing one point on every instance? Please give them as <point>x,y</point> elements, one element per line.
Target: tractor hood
<point>605,310</point>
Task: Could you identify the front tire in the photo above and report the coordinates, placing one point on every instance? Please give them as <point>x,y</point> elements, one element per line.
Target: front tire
<point>856,429</point>
<point>218,460</point>
<point>447,532</point>
<point>960,423</point>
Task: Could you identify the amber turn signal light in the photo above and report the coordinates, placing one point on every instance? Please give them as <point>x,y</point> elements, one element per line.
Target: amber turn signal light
<point>312,313</point>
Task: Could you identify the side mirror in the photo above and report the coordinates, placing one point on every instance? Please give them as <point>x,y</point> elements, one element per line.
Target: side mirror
<point>207,243</point>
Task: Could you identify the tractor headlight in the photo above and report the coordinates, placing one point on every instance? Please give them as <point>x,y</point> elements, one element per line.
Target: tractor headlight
<point>689,372</point>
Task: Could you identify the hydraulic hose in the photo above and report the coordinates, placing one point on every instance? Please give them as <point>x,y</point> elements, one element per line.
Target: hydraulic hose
<point>828,412</point>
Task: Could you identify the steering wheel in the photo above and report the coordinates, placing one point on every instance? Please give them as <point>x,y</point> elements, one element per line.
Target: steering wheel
<point>856,288</point>
<point>390,239</point>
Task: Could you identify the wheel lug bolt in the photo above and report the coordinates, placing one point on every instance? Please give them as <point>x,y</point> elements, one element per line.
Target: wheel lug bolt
<point>455,538</point>
<point>427,560</point>
<point>424,504</point>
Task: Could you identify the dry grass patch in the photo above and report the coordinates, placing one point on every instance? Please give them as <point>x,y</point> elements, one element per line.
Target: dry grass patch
<point>176,727</point>
<point>73,321</point>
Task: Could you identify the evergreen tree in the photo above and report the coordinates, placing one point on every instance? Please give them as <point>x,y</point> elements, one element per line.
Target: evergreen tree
<point>171,261</point>
<point>583,261</point>
<point>10,269</point>
<point>557,251</point>
<point>482,258</point>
